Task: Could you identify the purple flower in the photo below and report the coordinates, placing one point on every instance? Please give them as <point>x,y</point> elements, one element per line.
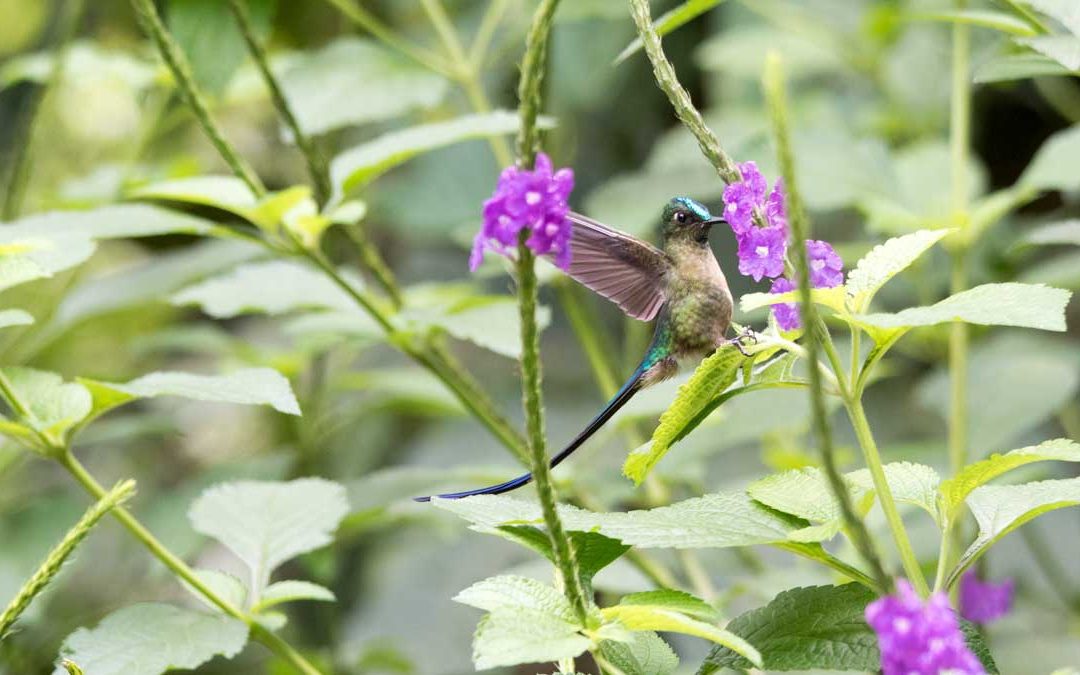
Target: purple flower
<point>775,211</point>
<point>826,266</point>
<point>787,314</point>
<point>527,200</point>
<point>743,197</point>
<point>984,601</point>
<point>919,638</point>
<point>761,252</point>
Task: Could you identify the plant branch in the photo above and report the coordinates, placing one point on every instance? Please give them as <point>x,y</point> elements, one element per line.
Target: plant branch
<point>361,17</point>
<point>316,163</point>
<point>56,558</point>
<point>776,97</point>
<point>181,71</point>
<point>182,571</point>
<point>677,94</point>
<point>482,40</point>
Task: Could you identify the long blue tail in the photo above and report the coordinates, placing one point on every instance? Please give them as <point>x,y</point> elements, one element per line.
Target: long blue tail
<point>632,386</point>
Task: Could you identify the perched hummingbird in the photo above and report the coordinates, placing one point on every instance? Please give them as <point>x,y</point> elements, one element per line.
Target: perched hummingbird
<point>681,286</point>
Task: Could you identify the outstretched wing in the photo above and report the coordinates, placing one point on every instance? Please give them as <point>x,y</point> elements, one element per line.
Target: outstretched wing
<point>623,269</point>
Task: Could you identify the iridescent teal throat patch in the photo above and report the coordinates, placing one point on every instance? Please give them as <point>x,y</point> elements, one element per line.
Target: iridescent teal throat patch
<point>694,206</point>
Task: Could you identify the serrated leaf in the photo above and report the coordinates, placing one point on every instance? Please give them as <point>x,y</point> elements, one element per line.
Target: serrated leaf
<point>956,489</point>
<point>149,639</point>
<point>1000,509</point>
<point>250,386</point>
<point>1005,304</point>
<point>1018,67</point>
<point>642,617</point>
<point>514,592</point>
<point>884,262</point>
<point>1063,232</point>
<point>670,21</point>
<point>53,406</point>
<point>1065,49</point>
<point>290,591</point>
<point>272,287</point>
<point>691,405</point>
<point>910,483</point>
<point>1054,165</point>
<point>712,521</point>
<point>592,550</point>
<point>378,85</point>
<point>363,163</point>
<point>224,585</point>
<point>676,601</point>
<point>645,654</point>
<point>267,523</point>
<point>817,627</point>
<point>507,637</point>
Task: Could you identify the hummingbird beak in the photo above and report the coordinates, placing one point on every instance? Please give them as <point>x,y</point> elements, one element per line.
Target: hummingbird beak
<point>715,221</point>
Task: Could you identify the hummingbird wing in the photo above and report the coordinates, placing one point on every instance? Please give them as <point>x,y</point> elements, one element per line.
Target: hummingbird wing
<point>623,269</point>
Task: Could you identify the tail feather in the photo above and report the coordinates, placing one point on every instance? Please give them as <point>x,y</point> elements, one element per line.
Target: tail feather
<point>632,386</point>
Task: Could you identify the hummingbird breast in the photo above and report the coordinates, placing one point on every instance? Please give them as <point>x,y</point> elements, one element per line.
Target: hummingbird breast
<point>699,305</point>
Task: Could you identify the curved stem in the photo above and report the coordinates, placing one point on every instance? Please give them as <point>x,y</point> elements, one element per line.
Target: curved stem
<point>361,17</point>
<point>178,567</point>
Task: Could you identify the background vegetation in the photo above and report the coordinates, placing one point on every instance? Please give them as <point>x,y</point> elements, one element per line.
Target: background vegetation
<point>135,289</point>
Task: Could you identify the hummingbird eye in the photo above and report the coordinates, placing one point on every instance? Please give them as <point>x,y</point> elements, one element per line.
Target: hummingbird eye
<point>680,216</point>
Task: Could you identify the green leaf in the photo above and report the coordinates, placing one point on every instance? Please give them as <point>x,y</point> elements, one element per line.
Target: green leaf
<point>676,601</point>
<point>106,222</point>
<point>272,287</point>
<point>54,406</point>
<point>713,521</point>
<point>363,163</point>
<point>268,523</point>
<point>999,21</point>
<point>816,627</point>
<point>691,405</point>
<point>1065,11</point>
<point>833,298</point>
<point>527,622</point>
<point>643,617</point>
<point>151,638</point>
<point>207,33</point>
<point>995,206</point>
<point>15,317</point>
<point>1062,232</point>
<point>645,654</point>
<point>956,489</point>
<point>885,261</point>
<point>225,193</point>
<point>84,61</point>
<point>1054,165</point>
<point>1000,509</point>
<point>670,21</point>
<point>1065,49</point>
<point>290,591</point>
<point>378,85</point>
<point>250,386</point>
<point>910,483</point>
<point>224,585</point>
<point>491,322</point>
<point>1006,304</point>
<point>592,550</point>
<point>1018,67</point>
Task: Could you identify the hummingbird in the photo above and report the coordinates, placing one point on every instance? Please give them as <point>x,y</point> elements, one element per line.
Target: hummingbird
<point>681,286</point>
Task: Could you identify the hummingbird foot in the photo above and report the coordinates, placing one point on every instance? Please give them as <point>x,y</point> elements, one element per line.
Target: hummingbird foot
<point>747,335</point>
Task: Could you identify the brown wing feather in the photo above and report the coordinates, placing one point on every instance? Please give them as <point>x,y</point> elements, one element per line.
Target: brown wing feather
<point>626,270</point>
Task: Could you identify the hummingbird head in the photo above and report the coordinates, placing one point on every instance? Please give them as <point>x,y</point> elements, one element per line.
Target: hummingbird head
<point>684,218</point>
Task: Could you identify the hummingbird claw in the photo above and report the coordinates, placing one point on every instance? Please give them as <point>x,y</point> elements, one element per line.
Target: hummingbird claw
<point>746,335</point>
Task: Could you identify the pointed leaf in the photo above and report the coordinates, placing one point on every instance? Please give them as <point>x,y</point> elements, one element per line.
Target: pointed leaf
<point>514,592</point>
<point>670,21</point>
<point>507,637</point>
<point>149,639</point>
<point>592,550</point>
<point>1065,49</point>
<point>54,406</point>
<point>885,261</point>
<point>267,523</point>
<point>290,591</point>
<point>1007,304</point>
<point>645,654</point>
<point>641,617</point>
<point>676,601</point>
<point>250,386</point>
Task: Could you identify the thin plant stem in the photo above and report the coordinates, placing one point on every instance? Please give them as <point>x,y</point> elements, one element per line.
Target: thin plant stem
<point>591,341</point>
<point>371,259</point>
<point>316,163</point>
<point>178,567</point>
<point>380,31</point>
<point>677,94</point>
<point>50,567</point>
<point>19,175</point>
<point>181,70</point>
<point>482,40</point>
<point>532,75</point>
<point>776,98</point>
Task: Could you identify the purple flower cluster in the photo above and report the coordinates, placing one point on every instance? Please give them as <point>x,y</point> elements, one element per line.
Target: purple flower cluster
<point>527,200</point>
<point>762,248</point>
<point>920,638</point>
<point>984,601</point>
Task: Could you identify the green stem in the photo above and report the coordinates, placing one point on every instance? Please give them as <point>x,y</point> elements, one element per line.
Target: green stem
<point>884,494</point>
<point>181,71</point>
<point>597,353</point>
<point>958,373</point>
<point>371,259</point>
<point>316,163</point>
<point>680,99</point>
<point>361,17</point>
<point>178,567</point>
<point>482,40</point>
<point>55,560</point>
<point>20,166</point>
<point>776,97</point>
